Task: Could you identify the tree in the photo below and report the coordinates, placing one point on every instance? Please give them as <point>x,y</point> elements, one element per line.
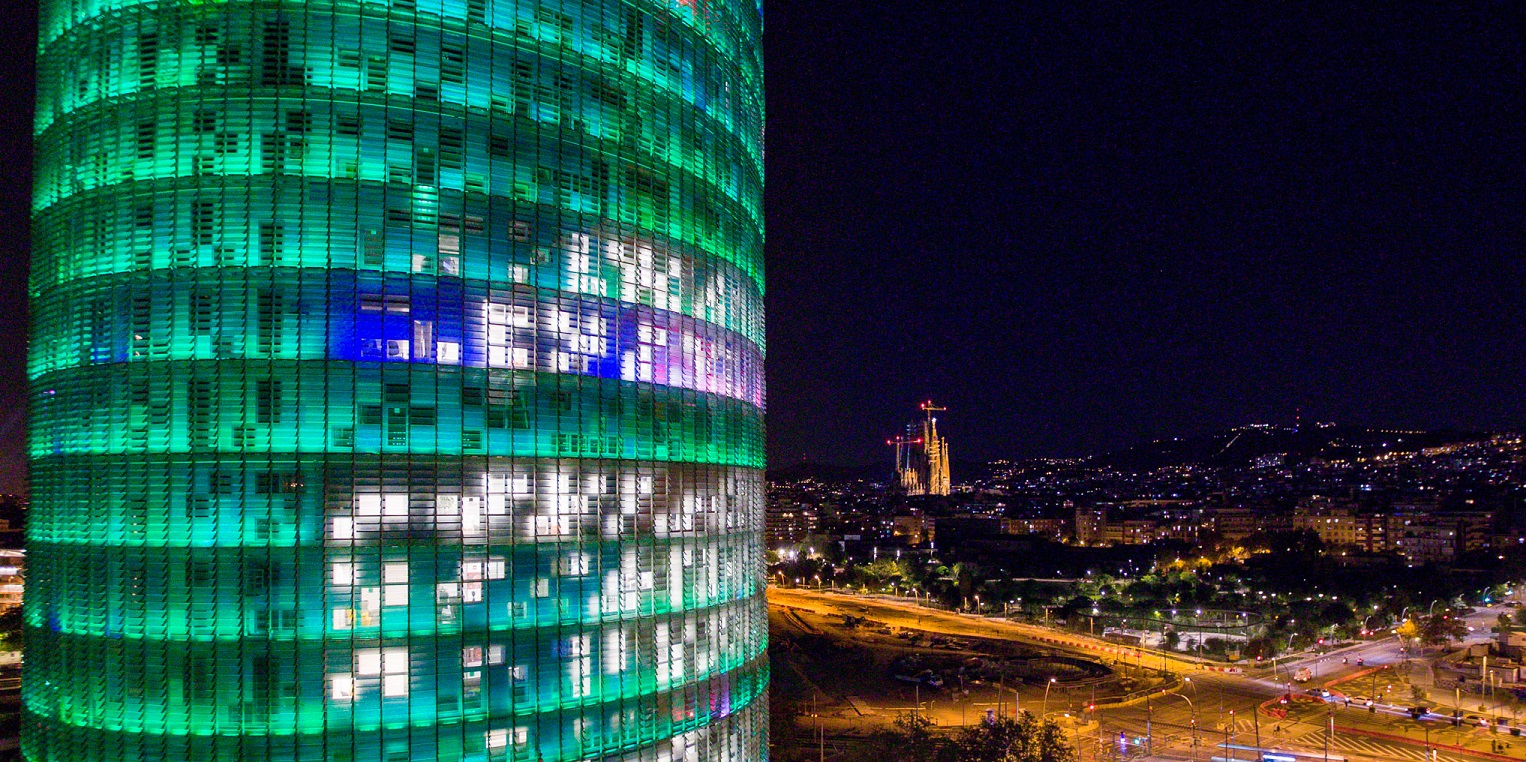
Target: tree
<point>1408,631</point>
<point>12,628</point>
<point>916,740</point>
<point>1503,621</point>
<point>1002,739</point>
<point>1441,629</point>
<point>1008,740</point>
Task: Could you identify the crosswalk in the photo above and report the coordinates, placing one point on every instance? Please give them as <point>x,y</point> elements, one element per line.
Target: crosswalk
<point>1353,747</point>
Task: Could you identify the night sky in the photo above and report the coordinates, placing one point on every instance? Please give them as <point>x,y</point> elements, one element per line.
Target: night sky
<point>1079,228</point>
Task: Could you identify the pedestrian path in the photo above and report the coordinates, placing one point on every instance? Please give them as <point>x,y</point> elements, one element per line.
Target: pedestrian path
<point>1364,749</point>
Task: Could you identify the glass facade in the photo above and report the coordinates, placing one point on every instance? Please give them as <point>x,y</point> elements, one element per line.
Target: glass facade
<point>397,382</point>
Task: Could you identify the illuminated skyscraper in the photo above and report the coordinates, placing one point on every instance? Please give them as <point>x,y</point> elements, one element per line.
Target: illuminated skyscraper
<point>397,382</point>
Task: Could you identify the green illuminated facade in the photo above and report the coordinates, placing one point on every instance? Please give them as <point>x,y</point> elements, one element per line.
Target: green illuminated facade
<point>397,382</point>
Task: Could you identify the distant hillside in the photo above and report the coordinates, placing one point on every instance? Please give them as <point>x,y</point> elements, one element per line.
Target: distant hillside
<point>1243,445</point>
<point>824,472</point>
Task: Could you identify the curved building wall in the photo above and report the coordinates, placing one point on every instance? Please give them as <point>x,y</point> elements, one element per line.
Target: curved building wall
<point>397,382</point>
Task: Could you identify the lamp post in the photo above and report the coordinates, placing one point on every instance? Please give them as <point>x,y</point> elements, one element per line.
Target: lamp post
<point>1228,728</point>
<point>1193,707</point>
<point>1044,714</point>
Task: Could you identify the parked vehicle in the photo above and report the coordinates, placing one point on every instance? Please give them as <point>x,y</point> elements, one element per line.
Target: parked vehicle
<point>1303,675</point>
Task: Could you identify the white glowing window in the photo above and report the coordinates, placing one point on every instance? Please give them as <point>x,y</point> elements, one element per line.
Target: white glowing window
<point>395,505</point>
<point>589,345</point>
<point>368,662</point>
<point>573,565</point>
<point>391,664</point>
<point>394,595</point>
<point>342,573</point>
<point>541,588</point>
<point>395,661</point>
<point>471,592</point>
<point>471,570</point>
<point>341,687</point>
<point>370,604</point>
<point>518,672</point>
<point>496,568</point>
<point>448,352</point>
<point>395,571</point>
<point>499,355</point>
<point>513,315</point>
<point>344,528</point>
<point>498,738</point>
<point>344,619</point>
<point>495,654</point>
<point>397,349</point>
<point>368,505</point>
<point>471,514</point>
<point>471,656</point>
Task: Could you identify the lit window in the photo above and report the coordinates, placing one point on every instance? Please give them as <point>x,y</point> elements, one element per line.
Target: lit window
<point>395,591</point>
<point>471,656</point>
<point>395,672</point>
<point>344,528</point>
<point>342,687</point>
<point>471,515</point>
<point>343,573</point>
<point>344,619</point>
<point>394,595</point>
<point>390,664</point>
<point>395,505</point>
<point>368,662</point>
<point>368,505</point>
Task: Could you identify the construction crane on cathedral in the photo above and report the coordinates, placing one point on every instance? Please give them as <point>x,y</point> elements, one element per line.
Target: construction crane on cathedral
<point>921,462</point>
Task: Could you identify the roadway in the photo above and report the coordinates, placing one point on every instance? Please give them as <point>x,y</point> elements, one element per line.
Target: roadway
<point>1213,708</point>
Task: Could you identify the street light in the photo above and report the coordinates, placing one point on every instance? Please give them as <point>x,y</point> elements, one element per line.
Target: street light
<point>1045,712</point>
<point>1193,707</point>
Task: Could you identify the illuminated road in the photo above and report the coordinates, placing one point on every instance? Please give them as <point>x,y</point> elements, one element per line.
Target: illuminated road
<point>1215,708</point>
